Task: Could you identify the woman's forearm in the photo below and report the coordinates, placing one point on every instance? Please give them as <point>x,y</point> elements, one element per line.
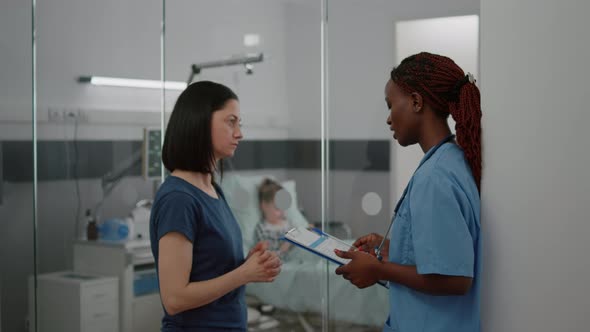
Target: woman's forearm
<point>197,294</point>
<point>434,284</point>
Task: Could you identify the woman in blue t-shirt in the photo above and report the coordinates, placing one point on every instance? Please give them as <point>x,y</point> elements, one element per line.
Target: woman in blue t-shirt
<point>195,238</point>
<point>433,260</point>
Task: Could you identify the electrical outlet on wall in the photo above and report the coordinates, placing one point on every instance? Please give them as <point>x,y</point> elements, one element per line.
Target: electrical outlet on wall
<point>72,115</point>
<point>54,115</point>
<point>66,115</point>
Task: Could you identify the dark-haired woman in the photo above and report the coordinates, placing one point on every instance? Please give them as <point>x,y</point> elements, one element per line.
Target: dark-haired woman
<point>433,259</point>
<point>195,238</point>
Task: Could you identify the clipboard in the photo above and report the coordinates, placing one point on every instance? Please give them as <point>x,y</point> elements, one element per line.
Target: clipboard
<point>321,244</point>
<point>318,242</point>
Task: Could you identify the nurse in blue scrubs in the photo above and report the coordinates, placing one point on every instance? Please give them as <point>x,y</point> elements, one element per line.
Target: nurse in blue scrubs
<point>433,260</point>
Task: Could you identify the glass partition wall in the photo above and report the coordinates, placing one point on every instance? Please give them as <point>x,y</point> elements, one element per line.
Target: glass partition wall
<point>17,190</point>
<point>268,53</point>
<point>99,105</point>
<point>368,170</point>
<point>359,58</point>
<point>82,128</point>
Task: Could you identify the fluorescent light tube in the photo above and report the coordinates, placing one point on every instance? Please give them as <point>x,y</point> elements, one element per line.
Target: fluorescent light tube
<point>131,83</point>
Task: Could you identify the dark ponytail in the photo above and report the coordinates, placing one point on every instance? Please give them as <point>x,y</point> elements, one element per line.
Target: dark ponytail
<point>467,115</point>
<point>446,88</point>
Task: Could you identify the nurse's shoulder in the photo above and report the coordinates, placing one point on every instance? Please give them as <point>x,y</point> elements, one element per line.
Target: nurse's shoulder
<point>447,167</point>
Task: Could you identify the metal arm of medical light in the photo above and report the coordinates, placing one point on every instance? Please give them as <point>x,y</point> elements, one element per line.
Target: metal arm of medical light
<point>247,60</point>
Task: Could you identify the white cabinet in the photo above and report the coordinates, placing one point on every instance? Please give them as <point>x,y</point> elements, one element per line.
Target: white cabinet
<point>140,309</point>
<point>73,302</point>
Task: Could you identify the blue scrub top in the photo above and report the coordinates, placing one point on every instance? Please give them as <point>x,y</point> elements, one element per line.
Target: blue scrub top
<point>217,249</point>
<point>437,229</point>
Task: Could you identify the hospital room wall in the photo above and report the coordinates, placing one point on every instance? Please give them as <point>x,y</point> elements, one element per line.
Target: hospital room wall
<point>355,90</point>
<point>95,48</point>
<point>16,216</point>
<point>60,59</point>
<point>534,70</point>
<point>360,54</point>
<point>361,49</point>
<point>115,114</point>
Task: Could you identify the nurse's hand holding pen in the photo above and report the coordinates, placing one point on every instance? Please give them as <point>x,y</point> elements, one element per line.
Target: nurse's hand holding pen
<point>369,242</point>
<point>361,270</point>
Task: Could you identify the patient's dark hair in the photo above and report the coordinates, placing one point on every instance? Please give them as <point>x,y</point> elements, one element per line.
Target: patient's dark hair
<point>267,190</point>
<point>188,145</point>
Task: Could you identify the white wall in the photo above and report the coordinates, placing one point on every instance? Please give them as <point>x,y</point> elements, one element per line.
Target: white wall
<point>123,39</point>
<point>201,31</point>
<point>106,38</point>
<point>281,98</point>
<point>361,53</point>
<point>535,199</point>
<point>15,61</point>
<point>456,34</point>
<point>303,58</point>
<point>15,68</point>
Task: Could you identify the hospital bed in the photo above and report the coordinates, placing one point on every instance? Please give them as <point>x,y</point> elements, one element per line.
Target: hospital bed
<point>301,285</point>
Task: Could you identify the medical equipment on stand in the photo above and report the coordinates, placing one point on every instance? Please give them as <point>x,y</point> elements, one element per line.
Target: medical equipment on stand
<point>140,218</point>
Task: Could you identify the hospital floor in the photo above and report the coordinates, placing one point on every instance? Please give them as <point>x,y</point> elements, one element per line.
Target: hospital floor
<point>288,321</point>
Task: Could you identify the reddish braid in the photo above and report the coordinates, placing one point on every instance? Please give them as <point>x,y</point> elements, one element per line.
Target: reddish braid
<point>446,88</point>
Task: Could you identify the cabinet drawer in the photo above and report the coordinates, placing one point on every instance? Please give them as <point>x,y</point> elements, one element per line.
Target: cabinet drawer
<point>100,310</point>
<point>103,324</point>
<point>100,292</point>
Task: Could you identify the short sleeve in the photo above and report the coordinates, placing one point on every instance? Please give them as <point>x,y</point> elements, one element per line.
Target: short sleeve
<point>442,241</point>
<point>177,212</point>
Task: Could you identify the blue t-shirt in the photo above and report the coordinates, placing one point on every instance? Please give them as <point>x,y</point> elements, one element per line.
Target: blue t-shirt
<point>437,229</point>
<point>217,249</point>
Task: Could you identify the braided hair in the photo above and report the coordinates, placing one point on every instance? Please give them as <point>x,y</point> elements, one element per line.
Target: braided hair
<point>445,87</point>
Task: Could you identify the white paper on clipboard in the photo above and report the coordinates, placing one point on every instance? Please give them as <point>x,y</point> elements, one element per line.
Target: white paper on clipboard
<point>319,243</point>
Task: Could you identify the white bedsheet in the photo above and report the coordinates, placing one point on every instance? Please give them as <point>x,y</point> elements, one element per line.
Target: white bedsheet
<point>300,288</point>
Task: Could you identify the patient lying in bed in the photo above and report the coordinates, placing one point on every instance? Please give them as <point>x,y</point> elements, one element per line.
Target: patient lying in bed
<point>274,223</point>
